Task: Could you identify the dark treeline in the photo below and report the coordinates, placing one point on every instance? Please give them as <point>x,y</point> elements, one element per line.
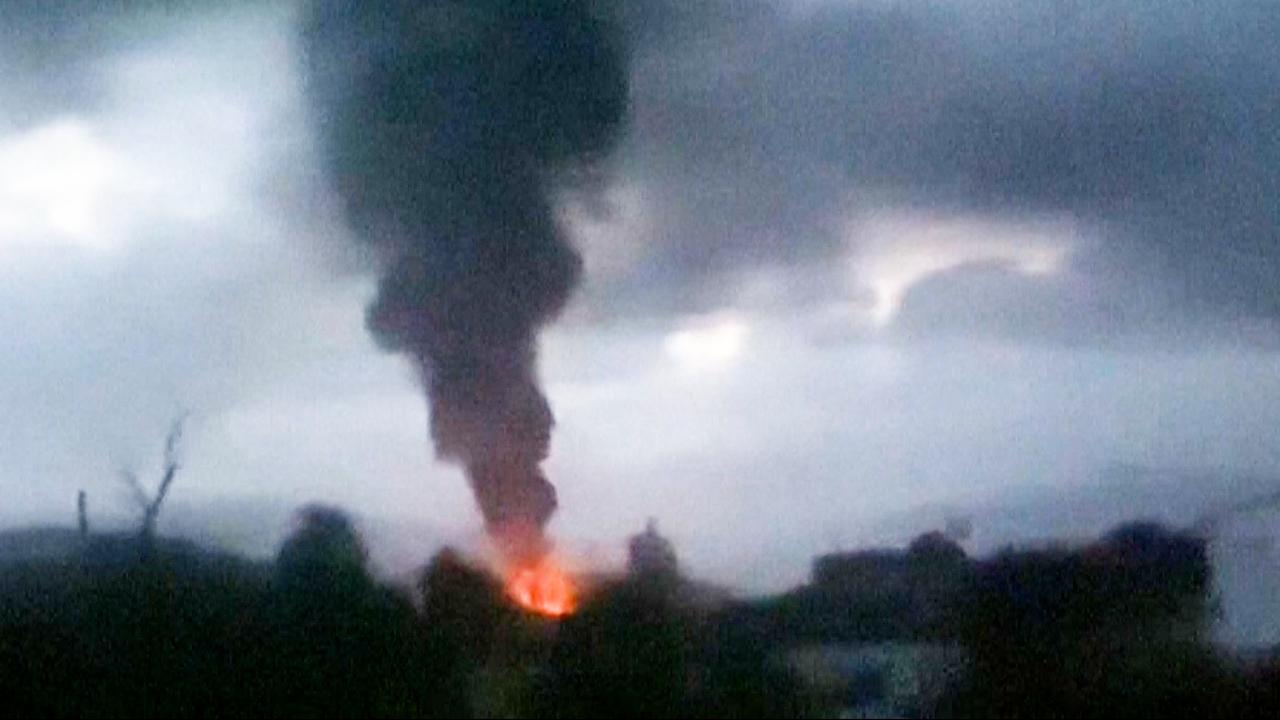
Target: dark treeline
<point>1119,628</point>
<point>1115,628</point>
<point>164,629</point>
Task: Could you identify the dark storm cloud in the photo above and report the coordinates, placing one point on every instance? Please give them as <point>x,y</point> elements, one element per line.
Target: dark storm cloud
<point>48,50</point>
<point>760,125</point>
<point>52,51</point>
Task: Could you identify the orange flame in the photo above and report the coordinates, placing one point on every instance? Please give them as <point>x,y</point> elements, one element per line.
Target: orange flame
<point>543,588</point>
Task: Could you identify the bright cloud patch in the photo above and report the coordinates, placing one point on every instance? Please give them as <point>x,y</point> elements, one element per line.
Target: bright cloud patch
<point>708,344</point>
<point>893,252</point>
<point>54,185</point>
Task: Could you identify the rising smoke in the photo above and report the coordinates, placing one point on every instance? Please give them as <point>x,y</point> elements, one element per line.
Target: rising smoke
<point>446,126</point>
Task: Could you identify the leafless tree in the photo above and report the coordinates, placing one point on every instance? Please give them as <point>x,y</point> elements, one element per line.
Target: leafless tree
<point>149,505</point>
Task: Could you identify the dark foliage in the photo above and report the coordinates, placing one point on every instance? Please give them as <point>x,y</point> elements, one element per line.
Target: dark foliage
<point>869,596</point>
<point>635,651</point>
<point>1115,630</point>
<point>171,630</point>
<point>178,632</point>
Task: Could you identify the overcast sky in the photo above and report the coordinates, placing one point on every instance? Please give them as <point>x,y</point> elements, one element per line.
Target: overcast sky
<point>852,258</point>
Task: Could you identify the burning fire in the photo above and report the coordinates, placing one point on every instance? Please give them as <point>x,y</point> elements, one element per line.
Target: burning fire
<point>543,588</point>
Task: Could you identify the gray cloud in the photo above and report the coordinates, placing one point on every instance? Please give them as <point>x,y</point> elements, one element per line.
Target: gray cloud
<point>761,127</point>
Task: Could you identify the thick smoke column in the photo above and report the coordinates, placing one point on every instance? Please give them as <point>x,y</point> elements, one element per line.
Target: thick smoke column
<point>444,126</point>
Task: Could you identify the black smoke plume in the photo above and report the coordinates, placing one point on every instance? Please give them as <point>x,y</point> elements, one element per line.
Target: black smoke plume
<point>445,127</point>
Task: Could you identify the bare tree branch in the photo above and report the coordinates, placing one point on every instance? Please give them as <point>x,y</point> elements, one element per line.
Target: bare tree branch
<point>134,486</point>
<point>150,505</point>
<point>174,438</point>
<point>171,465</point>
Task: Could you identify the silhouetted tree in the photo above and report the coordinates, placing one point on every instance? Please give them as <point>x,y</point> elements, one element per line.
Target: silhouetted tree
<point>651,559</point>
<point>935,549</point>
<point>324,555</point>
<point>149,505</point>
<point>463,609</point>
<point>626,653</point>
<point>1113,629</point>
<point>346,644</point>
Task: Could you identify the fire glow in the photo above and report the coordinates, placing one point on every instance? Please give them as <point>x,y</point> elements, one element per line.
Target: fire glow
<point>544,588</point>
